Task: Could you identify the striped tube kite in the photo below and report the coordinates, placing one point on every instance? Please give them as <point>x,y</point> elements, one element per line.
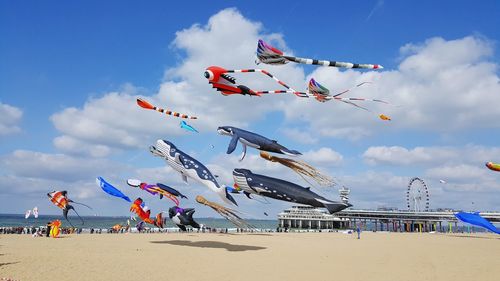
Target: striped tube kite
<point>220,80</point>
<point>270,55</point>
<point>144,104</point>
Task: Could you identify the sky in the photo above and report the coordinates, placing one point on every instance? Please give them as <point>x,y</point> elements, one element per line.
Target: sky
<point>70,73</point>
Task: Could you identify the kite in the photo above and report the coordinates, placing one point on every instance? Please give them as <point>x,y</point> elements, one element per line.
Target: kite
<point>442,181</point>
<point>301,168</point>
<point>111,190</point>
<point>266,214</point>
<point>188,127</point>
<point>493,166</point>
<point>140,226</point>
<point>270,55</point>
<point>476,219</point>
<point>117,227</point>
<point>182,217</point>
<point>161,189</point>
<point>282,190</point>
<point>144,213</point>
<point>229,214</point>
<point>171,190</point>
<point>253,140</point>
<point>54,228</point>
<point>60,199</point>
<point>384,117</point>
<point>144,104</point>
<point>35,212</point>
<point>222,82</point>
<point>187,166</point>
<point>27,214</point>
<point>322,94</point>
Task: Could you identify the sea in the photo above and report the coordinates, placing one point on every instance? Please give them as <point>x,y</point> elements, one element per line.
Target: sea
<point>101,222</point>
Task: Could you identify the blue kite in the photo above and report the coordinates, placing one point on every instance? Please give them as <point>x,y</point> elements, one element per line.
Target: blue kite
<point>188,127</point>
<point>476,219</point>
<point>111,190</point>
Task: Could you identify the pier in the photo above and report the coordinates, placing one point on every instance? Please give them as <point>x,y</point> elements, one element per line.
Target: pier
<point>306,217</point>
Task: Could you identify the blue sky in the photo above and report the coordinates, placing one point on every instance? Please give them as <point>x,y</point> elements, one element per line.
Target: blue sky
<point>62,63</point>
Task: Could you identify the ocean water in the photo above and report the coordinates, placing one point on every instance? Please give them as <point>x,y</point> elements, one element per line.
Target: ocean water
<point>14,220</point>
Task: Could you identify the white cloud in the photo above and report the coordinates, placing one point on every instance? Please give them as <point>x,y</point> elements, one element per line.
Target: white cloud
<point>60,167</point>
<point>458,172</point>
<point>324,156</point>
<point>432,155</point>
<point>300,135</point>
<point>10,117</point>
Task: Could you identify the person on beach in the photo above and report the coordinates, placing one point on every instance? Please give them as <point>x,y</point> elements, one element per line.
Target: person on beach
<point>48,229</point>
<point>358,230</point>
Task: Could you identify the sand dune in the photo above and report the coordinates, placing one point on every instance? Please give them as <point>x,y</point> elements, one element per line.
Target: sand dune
<point>278,256</point>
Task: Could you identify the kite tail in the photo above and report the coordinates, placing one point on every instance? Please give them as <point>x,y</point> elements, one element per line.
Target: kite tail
<point>301,168</point>
<point>65,214</point>
<point>82,205</point>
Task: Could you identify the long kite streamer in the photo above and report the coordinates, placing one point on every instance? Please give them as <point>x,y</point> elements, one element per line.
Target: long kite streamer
<point>144,104</point>
<point>301,168</point>
<point>229,214</point>
<point>222,82</point>
<point>270,55</point>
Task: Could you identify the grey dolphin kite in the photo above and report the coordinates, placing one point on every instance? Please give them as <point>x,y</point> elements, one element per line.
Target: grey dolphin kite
<point>279,189</point>
<point>187,166</point>
<point>253,140</point>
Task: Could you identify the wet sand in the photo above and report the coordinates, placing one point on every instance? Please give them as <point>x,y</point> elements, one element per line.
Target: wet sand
<point>277,256</point>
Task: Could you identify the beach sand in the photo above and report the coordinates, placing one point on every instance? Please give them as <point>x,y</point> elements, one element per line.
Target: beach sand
<point>277,256</point>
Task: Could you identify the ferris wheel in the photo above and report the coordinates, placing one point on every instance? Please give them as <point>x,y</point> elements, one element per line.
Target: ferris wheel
<point>417,196</point>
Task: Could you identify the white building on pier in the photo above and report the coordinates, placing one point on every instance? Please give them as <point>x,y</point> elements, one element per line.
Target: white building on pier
<point>307,217</point>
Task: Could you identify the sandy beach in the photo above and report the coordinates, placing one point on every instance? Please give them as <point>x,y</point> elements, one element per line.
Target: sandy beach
<point>277,256</point>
